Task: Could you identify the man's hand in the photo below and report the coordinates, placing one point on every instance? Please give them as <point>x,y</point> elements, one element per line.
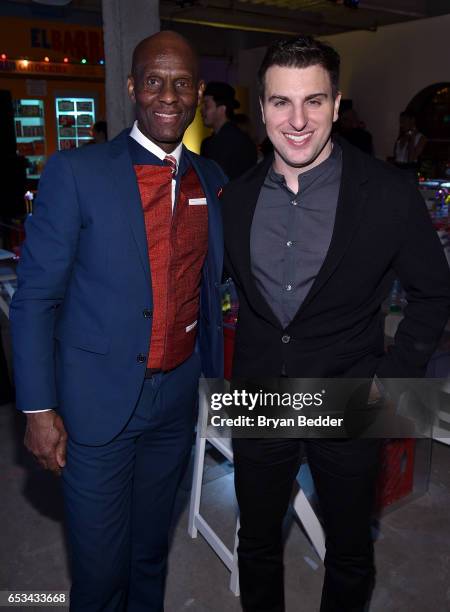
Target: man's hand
<point>374,394</point>
<point>46,438</point>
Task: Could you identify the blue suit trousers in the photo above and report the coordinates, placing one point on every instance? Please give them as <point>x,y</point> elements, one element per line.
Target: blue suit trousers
<point>119,498</point>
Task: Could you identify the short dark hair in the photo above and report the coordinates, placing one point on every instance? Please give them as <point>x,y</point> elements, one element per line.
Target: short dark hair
<point>302,52</point>
<point>229,107</point>
<point>101,127</point>
<point>223,94</point>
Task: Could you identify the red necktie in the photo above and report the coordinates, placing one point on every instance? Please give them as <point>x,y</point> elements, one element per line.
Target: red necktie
<point>172,162</point>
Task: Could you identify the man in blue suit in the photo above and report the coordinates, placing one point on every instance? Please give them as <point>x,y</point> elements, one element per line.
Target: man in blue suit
<point>116,313</point>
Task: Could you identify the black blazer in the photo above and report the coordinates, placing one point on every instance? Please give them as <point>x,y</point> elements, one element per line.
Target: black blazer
<point>382,231</point>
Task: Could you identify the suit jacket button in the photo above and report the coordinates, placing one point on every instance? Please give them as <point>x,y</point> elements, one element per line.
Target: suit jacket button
<point>285,339</point>
<point>147,313</point>
<point>141,358</point>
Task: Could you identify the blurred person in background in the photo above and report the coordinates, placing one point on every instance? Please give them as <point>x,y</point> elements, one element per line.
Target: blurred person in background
<point>354,131</point>
<point>410,142</point>
<point>229,146</point>
<point>100,132</point>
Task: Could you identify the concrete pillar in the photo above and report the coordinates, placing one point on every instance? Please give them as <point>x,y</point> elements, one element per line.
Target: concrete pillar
<point>124,25</point>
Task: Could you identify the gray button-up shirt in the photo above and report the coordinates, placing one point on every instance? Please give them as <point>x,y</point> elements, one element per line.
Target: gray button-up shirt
<point>291,234</point>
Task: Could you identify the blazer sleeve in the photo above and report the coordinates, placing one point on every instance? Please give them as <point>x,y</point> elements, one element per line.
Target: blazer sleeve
<point>424,274</point>
<point>43,273</point>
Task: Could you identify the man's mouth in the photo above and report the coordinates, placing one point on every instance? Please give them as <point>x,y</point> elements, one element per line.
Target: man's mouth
<point>298,139</point>
<point>167,117</point>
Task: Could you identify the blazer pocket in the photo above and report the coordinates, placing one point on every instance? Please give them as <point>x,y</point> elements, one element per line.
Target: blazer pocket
<point>87,341</point>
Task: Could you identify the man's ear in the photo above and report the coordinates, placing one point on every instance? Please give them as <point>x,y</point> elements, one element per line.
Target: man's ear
<point>337,102</point>
<point>221,109</point>
<point>201,90</point>
<point>262,111</point>
<point>130,87</point>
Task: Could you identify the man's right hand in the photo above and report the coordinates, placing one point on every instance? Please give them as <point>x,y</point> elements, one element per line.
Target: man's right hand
<point>46,438</point>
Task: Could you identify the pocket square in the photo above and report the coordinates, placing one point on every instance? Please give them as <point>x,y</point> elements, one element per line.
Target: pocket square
<point>191,326</point>
<point>197,201</point>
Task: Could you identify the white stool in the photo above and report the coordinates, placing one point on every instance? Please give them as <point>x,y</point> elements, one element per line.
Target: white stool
<point>301,504</point>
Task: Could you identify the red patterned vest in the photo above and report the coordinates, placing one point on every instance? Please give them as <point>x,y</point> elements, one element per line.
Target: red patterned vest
<point>177,247</point>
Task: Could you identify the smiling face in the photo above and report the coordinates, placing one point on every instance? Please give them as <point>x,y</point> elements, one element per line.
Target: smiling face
<point>299,110</point>
<point>165,89</point>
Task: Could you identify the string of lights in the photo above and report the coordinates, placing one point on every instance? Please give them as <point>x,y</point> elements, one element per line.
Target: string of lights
<point>66,60</point>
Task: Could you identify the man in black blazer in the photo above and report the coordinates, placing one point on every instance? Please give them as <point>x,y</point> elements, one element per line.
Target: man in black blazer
<point>315,236</point>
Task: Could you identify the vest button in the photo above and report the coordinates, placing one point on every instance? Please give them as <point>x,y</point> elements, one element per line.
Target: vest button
<point>285,339</point>
<point>141,358</point>
<point>147,313</point>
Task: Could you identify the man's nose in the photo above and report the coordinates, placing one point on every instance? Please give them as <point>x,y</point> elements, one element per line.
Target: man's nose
<point>168,93</point>
<point>298,118</point>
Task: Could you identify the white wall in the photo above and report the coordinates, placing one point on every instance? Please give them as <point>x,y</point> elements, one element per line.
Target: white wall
<point>381,71</point>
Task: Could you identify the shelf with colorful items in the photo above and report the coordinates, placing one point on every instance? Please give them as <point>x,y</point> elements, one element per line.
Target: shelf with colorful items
<point>30,134</point>
<point>75,118</point>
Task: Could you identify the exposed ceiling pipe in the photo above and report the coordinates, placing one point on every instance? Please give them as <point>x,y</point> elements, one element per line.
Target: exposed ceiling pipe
<point>53,2</point>
<point>242,18</point>
<point>389,9</point>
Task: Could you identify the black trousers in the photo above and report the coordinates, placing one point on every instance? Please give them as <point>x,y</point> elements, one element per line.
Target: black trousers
<point>344,473</point>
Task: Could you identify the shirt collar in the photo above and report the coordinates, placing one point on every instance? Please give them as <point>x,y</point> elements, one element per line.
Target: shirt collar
<point>333,161</point>
<point>145,142</point>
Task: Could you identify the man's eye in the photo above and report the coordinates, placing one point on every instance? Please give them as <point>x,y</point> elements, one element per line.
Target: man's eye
<point>151,82</point>
<point>314,102</point>
<point>183,84</point>
<point>280,103</point>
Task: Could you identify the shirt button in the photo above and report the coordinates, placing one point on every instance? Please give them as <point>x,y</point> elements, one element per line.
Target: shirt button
<point>288,287</point>
<point>141,358</point>
<point>147,313</point>
<point>294,202</point>
<point>285,339</point>
<point>289,243</point>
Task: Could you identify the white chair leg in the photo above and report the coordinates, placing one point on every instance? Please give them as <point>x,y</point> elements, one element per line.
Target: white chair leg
<point>196,522</point>
<point>234,579</point>
<point>197,479</point>
<point>196,492</point>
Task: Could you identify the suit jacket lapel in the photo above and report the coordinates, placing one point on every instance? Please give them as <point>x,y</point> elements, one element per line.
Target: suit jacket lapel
<point>128,194</point>
<point>349,213</point>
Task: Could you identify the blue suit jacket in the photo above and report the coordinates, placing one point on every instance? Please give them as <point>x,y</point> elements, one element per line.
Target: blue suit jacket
<point>84,282</point>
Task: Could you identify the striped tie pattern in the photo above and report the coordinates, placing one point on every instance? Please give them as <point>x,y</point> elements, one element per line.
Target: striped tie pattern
<point>172,162</point>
